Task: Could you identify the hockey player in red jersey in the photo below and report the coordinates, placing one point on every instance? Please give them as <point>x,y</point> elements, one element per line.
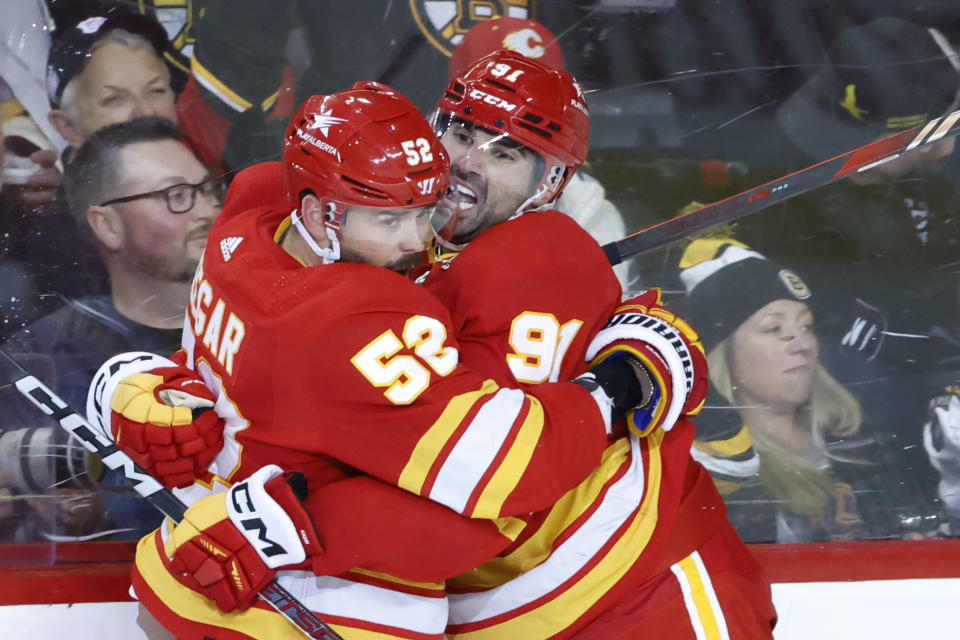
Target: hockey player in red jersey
<point>322,359</point>
<point>642,546</point>
<point>642,543</point>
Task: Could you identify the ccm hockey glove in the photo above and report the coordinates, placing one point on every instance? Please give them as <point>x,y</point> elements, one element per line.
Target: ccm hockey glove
<point>160,414</point>
<point>230,545</point>
<point>667,349</point>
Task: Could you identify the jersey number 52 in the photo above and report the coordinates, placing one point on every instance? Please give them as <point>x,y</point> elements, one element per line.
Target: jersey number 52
<point>405,376</point>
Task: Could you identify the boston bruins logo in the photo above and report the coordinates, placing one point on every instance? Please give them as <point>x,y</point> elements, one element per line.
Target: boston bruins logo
<point>177,18</point>
<point>444,22</point>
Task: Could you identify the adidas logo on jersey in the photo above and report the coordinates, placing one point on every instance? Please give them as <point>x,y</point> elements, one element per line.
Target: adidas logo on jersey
<point>228,246</point>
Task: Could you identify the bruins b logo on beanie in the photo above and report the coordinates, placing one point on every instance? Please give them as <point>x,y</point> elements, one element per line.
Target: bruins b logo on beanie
<point>727,282</point>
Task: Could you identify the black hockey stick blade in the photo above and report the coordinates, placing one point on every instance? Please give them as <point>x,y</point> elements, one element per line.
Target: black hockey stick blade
<point>148,487</point>
<point>789,186</point>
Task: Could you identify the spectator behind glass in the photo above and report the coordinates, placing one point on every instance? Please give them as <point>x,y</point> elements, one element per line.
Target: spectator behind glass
<point>31,161</point>
<point>237,98</point>
<point>880,248</point>
<point>17,296</point>
<point>877,79</point>
<point>147,203</point>
<point>107,69</point>
<point>100,71</point>
<point>821,475</point>
<point>891,233</point>
<point>240,93</point>
<point>584,198</point>
<point>941,440</point>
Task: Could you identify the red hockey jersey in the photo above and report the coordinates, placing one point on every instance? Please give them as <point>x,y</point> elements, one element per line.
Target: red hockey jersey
<point>524,300</point>
<point>526,297</point>
<point>348,365</point>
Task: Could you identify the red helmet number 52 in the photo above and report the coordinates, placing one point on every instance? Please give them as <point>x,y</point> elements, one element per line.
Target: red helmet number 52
<point>417,151</point>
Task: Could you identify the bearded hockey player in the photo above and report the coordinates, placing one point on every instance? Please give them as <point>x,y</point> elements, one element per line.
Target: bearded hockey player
<point>321,357</point>
<point>642,546</point>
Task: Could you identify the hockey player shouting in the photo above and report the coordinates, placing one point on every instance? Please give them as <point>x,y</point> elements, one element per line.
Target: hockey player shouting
<point>642,546</point>
<point>322,358</point>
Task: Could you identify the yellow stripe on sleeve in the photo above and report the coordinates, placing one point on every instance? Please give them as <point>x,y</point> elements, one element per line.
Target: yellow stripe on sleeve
<point>425,454</point>
<point>562,610</point>
<point>386,577</point>
<point>510,527</point>
<point>254,622</point>
<point>565,512</point>
<point>225,93</point>
<point>514,464</point>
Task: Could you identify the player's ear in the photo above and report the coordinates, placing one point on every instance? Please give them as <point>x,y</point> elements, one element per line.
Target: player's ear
<point>313,215</point>
<point>107,226</point>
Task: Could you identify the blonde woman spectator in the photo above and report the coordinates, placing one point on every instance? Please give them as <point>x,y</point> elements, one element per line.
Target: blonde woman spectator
<point>818,473</point>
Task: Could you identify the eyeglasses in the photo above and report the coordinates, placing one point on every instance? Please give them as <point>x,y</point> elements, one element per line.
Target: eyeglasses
<point>180,197</point>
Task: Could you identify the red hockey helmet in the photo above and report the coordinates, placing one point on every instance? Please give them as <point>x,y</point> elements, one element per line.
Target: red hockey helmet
<point>367,146</point>
<point>538,106</point>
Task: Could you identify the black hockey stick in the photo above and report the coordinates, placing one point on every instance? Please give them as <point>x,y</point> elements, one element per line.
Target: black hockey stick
<point>147,486</point>
<point>752,200</point>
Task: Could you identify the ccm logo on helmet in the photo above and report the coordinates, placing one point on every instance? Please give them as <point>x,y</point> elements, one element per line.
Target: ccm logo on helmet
<point>492,100</point>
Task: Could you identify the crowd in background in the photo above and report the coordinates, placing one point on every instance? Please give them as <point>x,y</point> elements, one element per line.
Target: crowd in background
<point>831,321</point>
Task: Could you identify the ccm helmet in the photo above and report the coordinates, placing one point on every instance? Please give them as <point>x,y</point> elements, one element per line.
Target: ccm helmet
<point>367,146</point>
<point>538,106</point>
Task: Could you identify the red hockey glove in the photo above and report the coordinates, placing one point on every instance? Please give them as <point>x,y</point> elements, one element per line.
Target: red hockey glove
<point>164,420</point>
<point>230,545</point>
<point>669,351</point>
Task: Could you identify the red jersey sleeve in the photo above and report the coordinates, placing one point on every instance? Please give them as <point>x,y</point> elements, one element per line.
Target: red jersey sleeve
<point>363,522</point>
<point>394,402</point>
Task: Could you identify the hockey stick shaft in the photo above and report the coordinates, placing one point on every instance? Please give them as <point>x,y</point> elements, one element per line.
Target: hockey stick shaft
<point>144,484</point>
<point>789,186</point>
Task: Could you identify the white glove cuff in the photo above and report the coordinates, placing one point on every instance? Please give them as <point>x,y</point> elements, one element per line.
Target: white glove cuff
<point>263,521</point>
<point>109,376</point>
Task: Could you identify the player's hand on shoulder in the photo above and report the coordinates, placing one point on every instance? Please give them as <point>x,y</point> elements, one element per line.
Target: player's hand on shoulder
<point>158,412</point>
<point>666,356</point>
<point>230,545</point>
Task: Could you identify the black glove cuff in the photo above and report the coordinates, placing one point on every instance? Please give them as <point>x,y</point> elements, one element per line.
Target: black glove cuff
<point>618,377</point>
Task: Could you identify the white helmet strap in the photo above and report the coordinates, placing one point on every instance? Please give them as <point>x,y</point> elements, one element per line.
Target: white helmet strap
<point>547,190</point>
<point>329,254</point>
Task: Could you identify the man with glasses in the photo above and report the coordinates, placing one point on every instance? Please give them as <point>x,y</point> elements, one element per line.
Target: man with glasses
<point>146,203</point>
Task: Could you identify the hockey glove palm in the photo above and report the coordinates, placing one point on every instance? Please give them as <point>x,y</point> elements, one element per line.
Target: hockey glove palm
<point>230,545</point>
<point>667,349</point>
